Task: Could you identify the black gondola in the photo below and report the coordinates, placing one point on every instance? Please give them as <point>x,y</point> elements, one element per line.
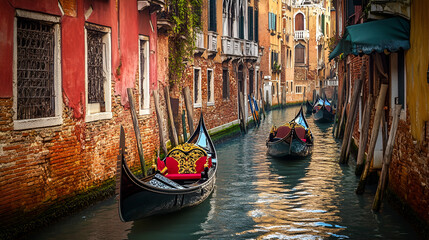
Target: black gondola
<point>309,107</point>
<point>292,139</point>
<point>322,111</point>
<point>158,194</point>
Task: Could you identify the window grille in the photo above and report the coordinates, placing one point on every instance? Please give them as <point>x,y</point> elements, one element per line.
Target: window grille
<point>35,69</point>
<point>96,73</point>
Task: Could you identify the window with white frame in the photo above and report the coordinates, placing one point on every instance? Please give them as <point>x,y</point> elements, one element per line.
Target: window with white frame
<point>197,87</point>
<point>144,98</point>
<point>210,87</point>
<point>37,94</point>
<point>97,72</point>
<point>298,89</point>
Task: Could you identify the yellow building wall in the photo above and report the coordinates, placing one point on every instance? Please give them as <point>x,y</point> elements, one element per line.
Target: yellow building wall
<point>417,60</point>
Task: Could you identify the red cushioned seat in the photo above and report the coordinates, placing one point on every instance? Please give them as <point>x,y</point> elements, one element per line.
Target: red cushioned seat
<point>282,131</point>
<point>300,132</point>
<point>328,108</point>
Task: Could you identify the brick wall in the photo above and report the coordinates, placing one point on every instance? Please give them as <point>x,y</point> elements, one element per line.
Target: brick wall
<point>409,171</point>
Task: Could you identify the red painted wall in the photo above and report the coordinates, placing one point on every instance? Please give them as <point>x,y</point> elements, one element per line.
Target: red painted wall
<point>145,19</point>
<point>153,50</point>
<point>6,48</point>
<point>73,61</point>
<point>129,51</point>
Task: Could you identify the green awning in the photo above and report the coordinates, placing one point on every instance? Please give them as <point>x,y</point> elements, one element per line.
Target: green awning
<point>391,34</point>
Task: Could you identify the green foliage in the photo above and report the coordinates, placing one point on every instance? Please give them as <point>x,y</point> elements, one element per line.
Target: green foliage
<point>186,18</point>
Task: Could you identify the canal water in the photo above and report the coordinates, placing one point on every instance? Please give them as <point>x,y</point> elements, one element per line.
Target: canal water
<point>258,197</point>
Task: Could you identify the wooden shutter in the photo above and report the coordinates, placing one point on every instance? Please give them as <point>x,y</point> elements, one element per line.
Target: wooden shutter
<point>299,22</point>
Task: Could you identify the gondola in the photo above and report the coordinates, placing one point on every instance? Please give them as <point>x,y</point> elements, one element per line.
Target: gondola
<point>173,186</point>
<point>322,111</point>
<point>309,107</point>
<point>292,139</point>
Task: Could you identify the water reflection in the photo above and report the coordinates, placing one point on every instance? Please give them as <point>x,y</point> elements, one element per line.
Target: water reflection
<point>258,197</point>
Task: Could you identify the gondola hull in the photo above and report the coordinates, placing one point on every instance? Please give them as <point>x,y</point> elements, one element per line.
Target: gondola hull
<point>323,116</point>
<point>139,199</point>
<point>156,194</point>
<point>283,148</point>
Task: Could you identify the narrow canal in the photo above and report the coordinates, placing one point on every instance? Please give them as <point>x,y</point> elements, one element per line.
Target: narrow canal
<point>258,197</point>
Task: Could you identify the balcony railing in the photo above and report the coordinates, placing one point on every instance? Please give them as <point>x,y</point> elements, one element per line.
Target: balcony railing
<point>331,82</point>
<point>301,35</point>
<point>212,42</point>
<point>319,35</point>
<point>199,41</point>
<point>239,47</point>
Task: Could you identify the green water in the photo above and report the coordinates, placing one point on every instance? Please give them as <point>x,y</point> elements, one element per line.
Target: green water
<point>258,197</point>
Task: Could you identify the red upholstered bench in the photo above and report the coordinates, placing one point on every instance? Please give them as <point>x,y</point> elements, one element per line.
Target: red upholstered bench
<point>185,161</point>
<point>300,132</point>
<point>282,131</point>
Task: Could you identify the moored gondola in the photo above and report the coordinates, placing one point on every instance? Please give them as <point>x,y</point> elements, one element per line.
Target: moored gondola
<point>323,111</point>
<point>292,139</point>
<point>184,178</point>
<point>309,107</point>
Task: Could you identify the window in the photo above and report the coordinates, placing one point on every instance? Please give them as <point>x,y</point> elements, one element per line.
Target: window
<point>299,22</point>
<point>37,98</point>
<point>256,26</point>
<point>144,75</point>
<point>250,23</point>
<point>210,87</point>
<point>274,60</point>
<point>298,89</point>
<point>225,84</point>
<point>300,54</point>
<point>197,87</point>
<point>97,72</point>
<point>251,81</point>
<point>272,21</point>
<point>212,15</point>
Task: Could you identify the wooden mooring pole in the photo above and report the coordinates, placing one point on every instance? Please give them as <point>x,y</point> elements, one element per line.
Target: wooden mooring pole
<point>189,111</point>
<point>342,109</point>
<point>136,130</point>
<point>170,115</point>
<point>351,120</point>
<point>160,119</point>
<point>386,160</point>
<point>363,138</point>
<point>262,101</point>
<point>374,134</point>
<point>185,136</point>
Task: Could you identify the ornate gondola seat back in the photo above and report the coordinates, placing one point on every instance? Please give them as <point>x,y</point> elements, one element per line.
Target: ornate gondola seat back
<point>282,131</point>
<point>185,161</point>
<point>300,132</point>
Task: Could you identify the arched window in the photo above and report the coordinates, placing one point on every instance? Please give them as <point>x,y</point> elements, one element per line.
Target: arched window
<point>300,54</point>
<point>299,22</point>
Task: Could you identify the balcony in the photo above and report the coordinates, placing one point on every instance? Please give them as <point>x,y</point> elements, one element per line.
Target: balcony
<point>319,35</point>
<point>199,42</point>
<point>239,47</point>
<point>301,35</point>
<point>153,5</point>
<point>231,46</point>
<point>250,49</point>
<point>212,42</point>
<point>163,22</point>
<point>333,82</point>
